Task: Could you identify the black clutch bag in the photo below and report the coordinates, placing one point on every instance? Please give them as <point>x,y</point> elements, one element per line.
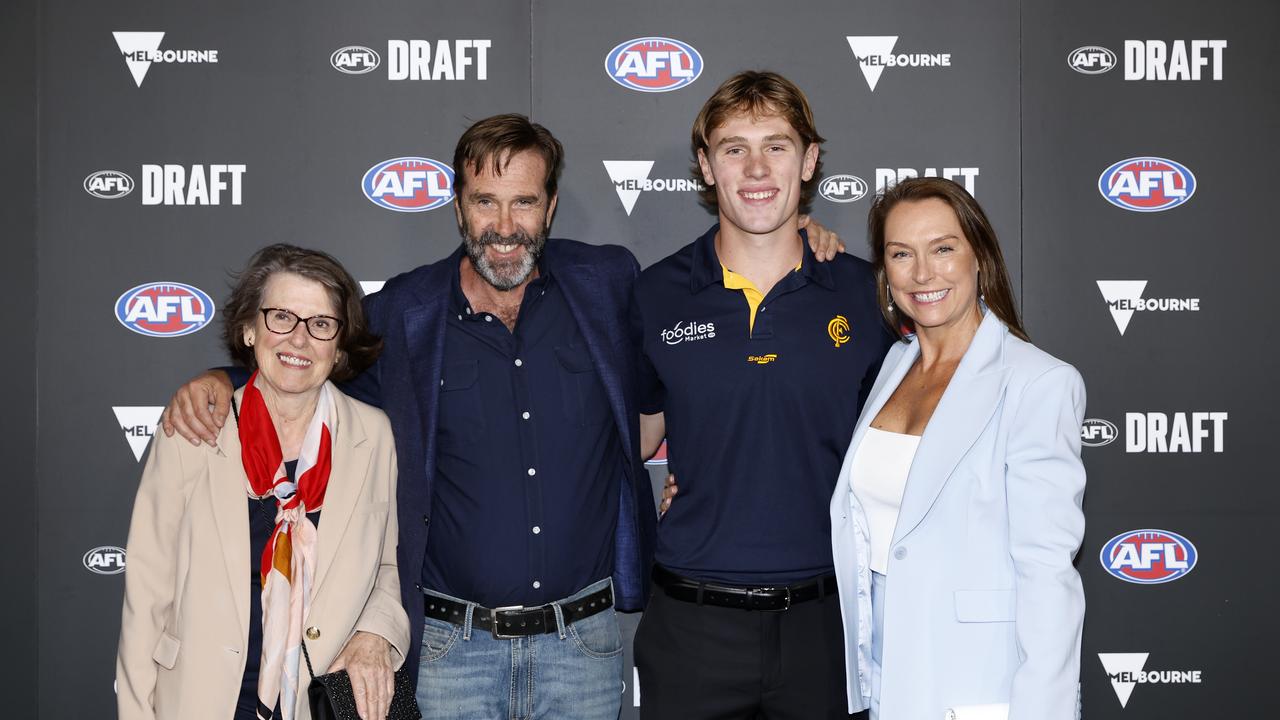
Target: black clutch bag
<point>331,697</point>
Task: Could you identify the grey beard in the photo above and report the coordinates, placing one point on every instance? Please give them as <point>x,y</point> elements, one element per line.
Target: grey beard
<point>504,275</point>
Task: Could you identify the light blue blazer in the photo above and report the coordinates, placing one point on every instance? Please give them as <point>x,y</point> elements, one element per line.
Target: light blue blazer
<point>983,605</point>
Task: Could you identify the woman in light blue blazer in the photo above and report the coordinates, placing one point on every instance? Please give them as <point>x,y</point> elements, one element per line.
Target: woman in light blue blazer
<point>958,510</point>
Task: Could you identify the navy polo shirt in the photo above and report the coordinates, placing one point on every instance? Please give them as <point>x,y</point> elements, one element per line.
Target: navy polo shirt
<point>526,491</point>
<point>759,412</point>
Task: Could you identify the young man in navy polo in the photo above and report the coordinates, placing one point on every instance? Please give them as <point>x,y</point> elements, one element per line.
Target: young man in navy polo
<point>756,362</point>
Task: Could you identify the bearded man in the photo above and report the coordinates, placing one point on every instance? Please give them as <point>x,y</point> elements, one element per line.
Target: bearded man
<point>525,515</point>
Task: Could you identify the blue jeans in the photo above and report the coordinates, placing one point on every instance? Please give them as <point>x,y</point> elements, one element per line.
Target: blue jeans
<point>572,674</point>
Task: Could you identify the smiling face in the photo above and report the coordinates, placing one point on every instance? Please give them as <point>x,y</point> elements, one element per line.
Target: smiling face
<point>757,165</point>
<point>296,363</point>
<point>931,268</point>
<point>504,219</point>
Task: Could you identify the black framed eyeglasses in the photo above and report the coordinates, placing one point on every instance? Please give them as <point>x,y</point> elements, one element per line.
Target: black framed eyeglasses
<point>283,322</point>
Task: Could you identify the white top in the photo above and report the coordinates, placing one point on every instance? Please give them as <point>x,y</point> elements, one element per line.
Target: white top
<point>878,476</point>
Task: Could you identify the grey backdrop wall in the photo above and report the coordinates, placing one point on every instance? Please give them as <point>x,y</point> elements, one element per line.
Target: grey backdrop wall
<point>19,606</point>
<point>252,125</point>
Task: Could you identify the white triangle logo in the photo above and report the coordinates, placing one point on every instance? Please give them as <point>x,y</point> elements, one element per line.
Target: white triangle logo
<point>132,42</point>
<point>1116,290</point>
<point>621,171</point>
<point>865,47</point>
<point>139,426</point>
<point>1129,663</point>
<point>371,286</point>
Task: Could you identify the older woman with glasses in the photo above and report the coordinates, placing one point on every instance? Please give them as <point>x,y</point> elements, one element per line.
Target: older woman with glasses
<point>230,568</point>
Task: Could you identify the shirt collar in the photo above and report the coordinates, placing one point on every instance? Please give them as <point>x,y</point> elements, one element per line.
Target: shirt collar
<point>458,299</point>
<point>706,270</point>
<point>818,272</point>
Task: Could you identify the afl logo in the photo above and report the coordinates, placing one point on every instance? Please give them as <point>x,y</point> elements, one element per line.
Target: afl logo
<point>1096,432</point>
<point>843,188</point>
<point>164,309</point>
<point>653,64</point>
<point>1147,184</point>
<point>1148,557</point>
<point>838,330</point>
<point>1091,60</point>
<point>409,184</point>
<point>104,560</point>
<point>354,60</point>
<point>108,184</point>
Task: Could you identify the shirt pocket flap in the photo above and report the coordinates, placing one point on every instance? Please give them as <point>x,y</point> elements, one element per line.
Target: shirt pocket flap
<point>985,605</point>
<point>460,375</point>
<point>575,360</point>
<point>166,652</point>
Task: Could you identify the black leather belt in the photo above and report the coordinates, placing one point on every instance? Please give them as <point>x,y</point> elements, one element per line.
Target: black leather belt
<point>518,621</point>
<point>774,598</point>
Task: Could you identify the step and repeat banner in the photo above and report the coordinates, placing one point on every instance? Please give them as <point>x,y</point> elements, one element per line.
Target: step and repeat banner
<point>1123,152</point>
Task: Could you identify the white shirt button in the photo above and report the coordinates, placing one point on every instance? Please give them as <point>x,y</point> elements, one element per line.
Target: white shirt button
<point>536,529</point>
<point>519,362</point>
<point>532,472</point>
<point>525,414</point>
<point>488,318</point>
<point>536,584</point>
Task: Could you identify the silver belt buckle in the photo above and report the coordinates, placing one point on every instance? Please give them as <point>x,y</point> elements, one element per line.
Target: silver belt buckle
<point>785,588</point>
<point>497,634</point>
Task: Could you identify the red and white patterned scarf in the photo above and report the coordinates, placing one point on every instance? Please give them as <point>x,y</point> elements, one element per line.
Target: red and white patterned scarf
<point>289,560</point>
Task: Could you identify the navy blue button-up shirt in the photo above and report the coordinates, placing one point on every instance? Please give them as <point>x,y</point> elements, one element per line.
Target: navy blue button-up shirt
<point>526,493</point>
<point>759,415</point>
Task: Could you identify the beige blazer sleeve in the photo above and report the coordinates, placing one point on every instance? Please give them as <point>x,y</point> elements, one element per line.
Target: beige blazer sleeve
<point>383,614</point>
<point>152,560</point>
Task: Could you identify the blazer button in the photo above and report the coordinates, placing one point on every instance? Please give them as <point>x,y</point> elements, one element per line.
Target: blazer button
<point>313,634</point>
<point>900,552</point>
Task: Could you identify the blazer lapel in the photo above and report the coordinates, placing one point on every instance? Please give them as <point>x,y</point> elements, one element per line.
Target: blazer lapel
<point>347,478</point>
<point>896,364</point>
<point>424,329</point>
<point>228,496</point>
<point>577,281</point>
<point>972,396</point>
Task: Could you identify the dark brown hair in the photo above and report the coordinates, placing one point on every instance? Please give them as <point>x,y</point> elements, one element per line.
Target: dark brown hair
<point>993,276</point>
<point>758,94</point>
<point>358,347</point>
<point>494,140</point>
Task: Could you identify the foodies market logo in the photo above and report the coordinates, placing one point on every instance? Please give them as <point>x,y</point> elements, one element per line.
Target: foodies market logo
<point>688,332</point>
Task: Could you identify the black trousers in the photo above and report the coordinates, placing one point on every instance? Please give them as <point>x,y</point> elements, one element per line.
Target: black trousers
<point>713,663</point>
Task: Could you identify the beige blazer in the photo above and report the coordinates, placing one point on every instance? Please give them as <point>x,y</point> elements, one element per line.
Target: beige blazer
<point>184,630</point>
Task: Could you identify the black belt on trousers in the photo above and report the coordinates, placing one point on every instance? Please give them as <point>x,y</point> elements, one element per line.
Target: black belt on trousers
<point>518,621</point>
<point>770,597</point>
